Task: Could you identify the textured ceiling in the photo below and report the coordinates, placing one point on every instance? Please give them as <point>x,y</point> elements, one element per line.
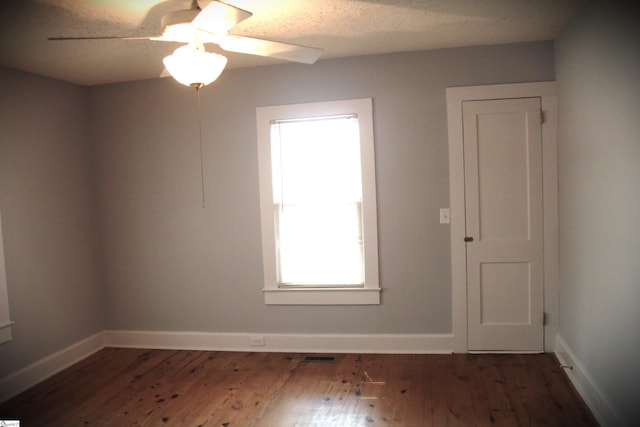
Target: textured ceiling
<point>340,27</point>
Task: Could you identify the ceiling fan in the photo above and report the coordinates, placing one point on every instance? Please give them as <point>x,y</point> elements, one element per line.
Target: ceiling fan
<point>191,65</point>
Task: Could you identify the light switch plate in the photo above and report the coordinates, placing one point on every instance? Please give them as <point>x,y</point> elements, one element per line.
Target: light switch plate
<point>445,216</point>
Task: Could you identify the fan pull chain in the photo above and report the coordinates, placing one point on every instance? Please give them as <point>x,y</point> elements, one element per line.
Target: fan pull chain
<point>201,151</point>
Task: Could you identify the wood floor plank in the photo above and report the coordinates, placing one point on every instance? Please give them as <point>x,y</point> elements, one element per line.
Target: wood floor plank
<point>303,398</point>
<point>87,382</point>
<point>458,390</point>
<point>437,371</point>
<point>490,403</point>
<point>123,387</point>
<point>340,394</point>
<point>151,393</point>
<point>384,390</point>
<point>132,387</point>
<point>263,375</point>
<point>206,388</point>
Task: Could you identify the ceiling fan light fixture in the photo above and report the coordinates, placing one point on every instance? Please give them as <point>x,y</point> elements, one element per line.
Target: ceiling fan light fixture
<point>193,66</point>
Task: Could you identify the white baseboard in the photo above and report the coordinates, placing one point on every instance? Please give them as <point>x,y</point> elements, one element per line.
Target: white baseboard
<point>299,343</point>
<point>586,386</point>
<point>28,376</point>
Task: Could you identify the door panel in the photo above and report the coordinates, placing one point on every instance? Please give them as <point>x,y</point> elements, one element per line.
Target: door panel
<point>504,215</point>
<point>501,176</point>
<point>505,281</point>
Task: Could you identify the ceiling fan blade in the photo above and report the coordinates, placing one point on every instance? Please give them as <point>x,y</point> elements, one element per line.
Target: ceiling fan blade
<point>219,17</point>
<point>105,38</point>
<point>162,38</point>
<point>260,47</point>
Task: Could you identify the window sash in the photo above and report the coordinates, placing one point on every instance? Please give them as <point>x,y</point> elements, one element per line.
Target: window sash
<point>319,245</point>
<point>317,195</point>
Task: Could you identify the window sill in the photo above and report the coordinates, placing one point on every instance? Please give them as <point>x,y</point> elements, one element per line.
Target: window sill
<point>322,296</point>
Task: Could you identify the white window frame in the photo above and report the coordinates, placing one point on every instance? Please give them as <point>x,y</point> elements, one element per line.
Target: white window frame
<point>5,319</point>
<point>369,293</point>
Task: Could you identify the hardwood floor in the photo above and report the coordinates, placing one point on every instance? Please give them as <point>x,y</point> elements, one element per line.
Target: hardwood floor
<point>130,387</point>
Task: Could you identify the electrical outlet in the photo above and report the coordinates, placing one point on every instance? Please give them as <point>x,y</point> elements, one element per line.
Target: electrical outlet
<point>257,341</point>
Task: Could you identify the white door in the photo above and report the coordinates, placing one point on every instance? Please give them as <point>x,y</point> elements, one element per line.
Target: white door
<point>504,224</point>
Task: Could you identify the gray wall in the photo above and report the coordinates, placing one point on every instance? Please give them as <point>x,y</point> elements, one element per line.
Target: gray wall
<point>598,74</point>
<point>171,265</point>
<point>48,218</point>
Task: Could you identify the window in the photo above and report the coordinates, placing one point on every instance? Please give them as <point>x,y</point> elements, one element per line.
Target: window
<point>317,201</point>
<point>5,321</point>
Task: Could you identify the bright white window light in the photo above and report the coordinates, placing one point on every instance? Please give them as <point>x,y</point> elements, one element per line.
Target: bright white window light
<point>192,66</point>
<point>317,191</point>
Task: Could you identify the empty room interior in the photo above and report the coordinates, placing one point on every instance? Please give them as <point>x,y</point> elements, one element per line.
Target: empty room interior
<point>149,223</point>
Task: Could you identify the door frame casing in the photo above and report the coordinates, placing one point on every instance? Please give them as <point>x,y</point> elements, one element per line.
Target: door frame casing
<point>546,91</point>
